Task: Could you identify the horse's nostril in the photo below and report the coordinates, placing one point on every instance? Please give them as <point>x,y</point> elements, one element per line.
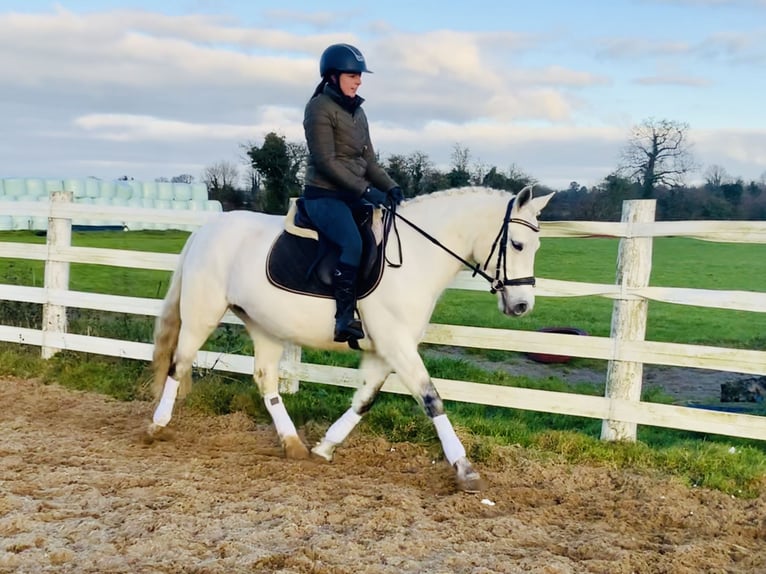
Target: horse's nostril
<point>520,309</point>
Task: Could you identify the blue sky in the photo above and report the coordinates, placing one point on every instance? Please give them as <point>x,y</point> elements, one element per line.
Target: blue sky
<point>152,89</point>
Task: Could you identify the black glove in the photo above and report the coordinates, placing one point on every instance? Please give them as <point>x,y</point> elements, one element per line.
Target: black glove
<point>396,195</point>
<point>375,196</point>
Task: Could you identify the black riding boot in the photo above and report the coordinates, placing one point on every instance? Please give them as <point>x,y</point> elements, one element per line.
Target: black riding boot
<point>344,291</point>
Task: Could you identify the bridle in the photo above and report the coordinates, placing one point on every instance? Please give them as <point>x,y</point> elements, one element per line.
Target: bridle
<point>500,244</point>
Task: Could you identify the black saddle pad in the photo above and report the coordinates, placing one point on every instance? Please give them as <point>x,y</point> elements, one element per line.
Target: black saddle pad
<point>292,265</point>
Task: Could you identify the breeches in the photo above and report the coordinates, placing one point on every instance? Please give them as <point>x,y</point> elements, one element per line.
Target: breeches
<point>335,221</point>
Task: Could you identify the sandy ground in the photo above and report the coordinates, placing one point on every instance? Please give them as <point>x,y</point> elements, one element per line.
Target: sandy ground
<point>79,492</point>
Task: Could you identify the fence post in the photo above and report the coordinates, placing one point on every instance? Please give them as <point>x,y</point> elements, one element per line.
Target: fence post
<point>290,358</point>
<point>634,266</point>
<point>56,272</point>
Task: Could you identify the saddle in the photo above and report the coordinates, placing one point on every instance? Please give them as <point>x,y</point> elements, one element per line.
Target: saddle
<point>302,261</point>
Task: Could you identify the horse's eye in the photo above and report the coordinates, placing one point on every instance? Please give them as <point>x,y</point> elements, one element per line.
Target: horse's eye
<point>516,245</point>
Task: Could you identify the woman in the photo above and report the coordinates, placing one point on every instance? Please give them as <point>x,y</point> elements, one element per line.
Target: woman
<point>342,172</point>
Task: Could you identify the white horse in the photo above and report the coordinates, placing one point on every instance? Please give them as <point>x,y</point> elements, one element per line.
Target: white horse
<point>222,266</point>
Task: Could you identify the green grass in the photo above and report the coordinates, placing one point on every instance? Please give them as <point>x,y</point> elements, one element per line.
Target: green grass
<point>699,459</point>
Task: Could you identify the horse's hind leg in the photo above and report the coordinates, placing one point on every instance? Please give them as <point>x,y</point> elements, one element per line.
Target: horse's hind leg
<point>374,372</point>
<point>268,352</point>
<point>196,327</point>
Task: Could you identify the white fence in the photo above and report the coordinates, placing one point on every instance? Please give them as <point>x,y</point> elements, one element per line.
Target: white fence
<point>621,409</point>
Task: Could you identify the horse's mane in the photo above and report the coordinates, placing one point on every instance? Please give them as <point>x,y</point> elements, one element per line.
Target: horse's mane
<point>459,191</point>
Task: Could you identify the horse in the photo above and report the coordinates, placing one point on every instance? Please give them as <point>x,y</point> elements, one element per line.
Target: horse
<point>222,266</point>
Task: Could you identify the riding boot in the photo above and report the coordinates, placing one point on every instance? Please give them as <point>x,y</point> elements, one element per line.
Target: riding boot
<point>344,290</point>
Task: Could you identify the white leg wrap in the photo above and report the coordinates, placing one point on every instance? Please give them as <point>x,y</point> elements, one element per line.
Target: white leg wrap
<point>341,428</point>
<point>453,448</point>
<point>282,420</point>
<point>164,410</point>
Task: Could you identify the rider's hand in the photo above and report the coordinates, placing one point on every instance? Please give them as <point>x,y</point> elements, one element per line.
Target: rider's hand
<point>375,196</point>
<point>396,195</point>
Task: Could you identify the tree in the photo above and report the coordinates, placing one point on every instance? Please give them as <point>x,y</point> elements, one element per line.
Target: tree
<point>182,178</point>
<point>279,163</point>
<point>716,176</point>
<point>514,180</point>
<point>220,175</point>
<point>657,153</point>
<point>220,179</point>
<point>459,175</point>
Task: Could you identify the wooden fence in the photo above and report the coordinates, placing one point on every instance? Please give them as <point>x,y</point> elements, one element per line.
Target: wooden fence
<point>626,350</point>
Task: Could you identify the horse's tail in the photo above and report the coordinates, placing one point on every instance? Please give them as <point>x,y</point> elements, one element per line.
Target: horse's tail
<point>168,326</point>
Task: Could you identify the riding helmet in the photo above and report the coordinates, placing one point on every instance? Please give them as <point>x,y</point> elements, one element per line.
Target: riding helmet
<point>343,58</point>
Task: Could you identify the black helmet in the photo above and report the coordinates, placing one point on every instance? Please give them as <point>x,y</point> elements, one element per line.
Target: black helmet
<point>342,58</point>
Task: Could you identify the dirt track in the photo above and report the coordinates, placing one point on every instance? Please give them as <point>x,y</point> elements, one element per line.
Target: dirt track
<point>79,492</point>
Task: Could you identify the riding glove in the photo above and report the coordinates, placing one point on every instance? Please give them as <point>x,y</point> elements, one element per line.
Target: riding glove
<point>375,196</point>
<point>396,195</point>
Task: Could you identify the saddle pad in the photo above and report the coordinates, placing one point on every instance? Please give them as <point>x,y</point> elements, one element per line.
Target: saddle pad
<point>290,259</point>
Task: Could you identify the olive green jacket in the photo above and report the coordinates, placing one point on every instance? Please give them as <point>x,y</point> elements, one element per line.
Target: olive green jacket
<point>341,156</point>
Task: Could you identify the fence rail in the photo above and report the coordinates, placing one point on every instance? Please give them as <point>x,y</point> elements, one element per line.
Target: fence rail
<point>620,408</point>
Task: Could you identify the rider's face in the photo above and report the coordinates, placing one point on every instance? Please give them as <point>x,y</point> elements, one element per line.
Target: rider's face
<point>349,83</point>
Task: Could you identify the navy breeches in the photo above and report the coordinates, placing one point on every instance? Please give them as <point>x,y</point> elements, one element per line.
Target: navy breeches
<point>335,221</point>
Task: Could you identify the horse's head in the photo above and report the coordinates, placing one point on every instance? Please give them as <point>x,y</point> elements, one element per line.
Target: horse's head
<point>515,269</point>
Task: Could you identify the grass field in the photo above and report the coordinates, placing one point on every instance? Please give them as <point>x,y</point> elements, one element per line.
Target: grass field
<point>678,262</point>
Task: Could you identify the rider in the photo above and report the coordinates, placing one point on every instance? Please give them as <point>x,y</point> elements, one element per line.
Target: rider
<point>342,173</point>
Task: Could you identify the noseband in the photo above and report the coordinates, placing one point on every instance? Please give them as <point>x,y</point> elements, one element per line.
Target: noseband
<point>500,244</point>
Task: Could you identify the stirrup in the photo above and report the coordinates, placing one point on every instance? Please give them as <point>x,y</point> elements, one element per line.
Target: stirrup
<point>353,330</point>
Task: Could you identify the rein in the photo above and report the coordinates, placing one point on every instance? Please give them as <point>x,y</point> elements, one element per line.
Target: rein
<point>500,244</point>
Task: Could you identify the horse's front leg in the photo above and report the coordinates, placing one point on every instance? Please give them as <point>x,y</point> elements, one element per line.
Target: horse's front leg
<point>467,478</point>
<point>409,366</point>
<point>374,371</point>
<point>268,352</point>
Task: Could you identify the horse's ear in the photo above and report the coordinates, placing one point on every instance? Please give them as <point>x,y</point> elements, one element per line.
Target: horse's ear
<point>523,197</point>
<point>539,203</point>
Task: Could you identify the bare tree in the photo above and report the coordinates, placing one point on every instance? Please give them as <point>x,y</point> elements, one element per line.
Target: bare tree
<point>716,176</point>
<point>220,175</point>
<point>182,178</point>
<point>657,153</point>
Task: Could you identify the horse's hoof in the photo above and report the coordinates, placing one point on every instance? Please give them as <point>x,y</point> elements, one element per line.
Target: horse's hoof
<point>294,448</point>
<point>155,432</point>
<point>468,480</point>
<point>324,450</point>
<point>472,484</point>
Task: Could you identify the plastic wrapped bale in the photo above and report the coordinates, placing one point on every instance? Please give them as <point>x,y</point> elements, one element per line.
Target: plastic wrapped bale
<point>182,191</point>
<point>135,203</point>
<point>6,222</point>
<point>38,223</point>
<point>137,187</point>
<point>149,203</point>
<point>162,204</point>
<point>76,186</point>
<point>21,222</point>
<point>149,189</point>
<point>84,219</point>
<point>181,206</point>
<point>165,190</point>
<point>53,185</point>
<point>14,187</point>
<point>197,204</point>
<point>123,190</point>
<point>2,188</point>
<point>213,205</point>
<point>34,189</point>
<point>199,191</point>
<point>107,189</point>
<point>92,187</point>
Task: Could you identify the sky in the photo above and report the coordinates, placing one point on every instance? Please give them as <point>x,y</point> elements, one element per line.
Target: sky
<point>552,88</point>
